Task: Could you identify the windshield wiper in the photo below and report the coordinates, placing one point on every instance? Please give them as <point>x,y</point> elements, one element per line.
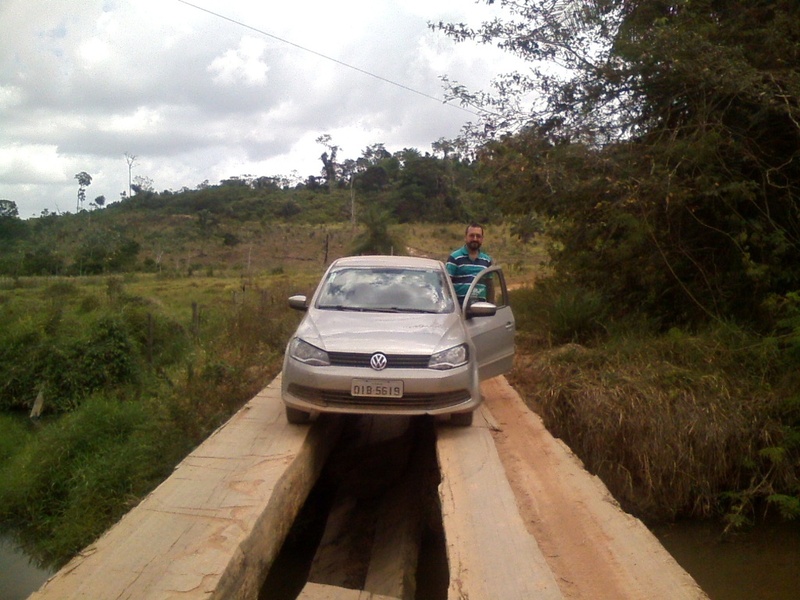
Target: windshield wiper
<point>379,309</point>
<point>344,308</point>
<point>397,309</point>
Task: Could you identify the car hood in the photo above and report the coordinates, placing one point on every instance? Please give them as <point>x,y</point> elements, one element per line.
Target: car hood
<point>345,331</point>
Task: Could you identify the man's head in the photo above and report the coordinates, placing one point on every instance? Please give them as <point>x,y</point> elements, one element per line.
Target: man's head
<point>473,237</point>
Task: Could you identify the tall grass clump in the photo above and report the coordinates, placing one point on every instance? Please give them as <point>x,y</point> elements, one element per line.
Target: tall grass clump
<point>679,424</point>
<point>84,471</point>
<point>558,312</point>
<point>14,434</point>
<point>238,348</point>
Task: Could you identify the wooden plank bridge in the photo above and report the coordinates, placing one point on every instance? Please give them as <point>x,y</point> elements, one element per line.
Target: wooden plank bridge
<point>214,528</point>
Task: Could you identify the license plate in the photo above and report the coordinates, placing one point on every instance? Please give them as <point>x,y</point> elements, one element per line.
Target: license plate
<point>379,388</point>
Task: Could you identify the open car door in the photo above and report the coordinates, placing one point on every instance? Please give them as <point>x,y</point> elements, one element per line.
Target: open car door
<point>493,336</point>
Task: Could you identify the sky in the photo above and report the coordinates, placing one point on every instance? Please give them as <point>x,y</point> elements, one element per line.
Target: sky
<point>196,97</point>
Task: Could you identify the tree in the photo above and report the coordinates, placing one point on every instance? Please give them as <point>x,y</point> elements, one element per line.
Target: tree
<point>424,190</point>
<point>131,160</point>
<point>375,154</point>
<point>105,251</point>
<point>329,160</point>
<point>8,209</point>
<point>42,261</point>
<point>84,181</point>
<point>142,185</point>
<point>376,239</point>
<point>667,144</point>
<point>11,226</point>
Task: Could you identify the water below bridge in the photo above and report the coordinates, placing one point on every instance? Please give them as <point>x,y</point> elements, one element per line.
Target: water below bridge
<point>762,563</point>
<point>19,575</point>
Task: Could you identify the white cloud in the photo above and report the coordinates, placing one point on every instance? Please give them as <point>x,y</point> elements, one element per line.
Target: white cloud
<point>31,164</point>
<point>196,96</point>
<point>244,65</point>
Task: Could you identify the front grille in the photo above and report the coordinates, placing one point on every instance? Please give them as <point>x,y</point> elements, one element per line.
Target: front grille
<point>393,361</point>
<point>333,398</point>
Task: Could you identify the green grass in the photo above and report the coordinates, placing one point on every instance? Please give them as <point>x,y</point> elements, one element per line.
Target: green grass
<point>132,379</point>
<point>85,470</point>
<point>677,424</point>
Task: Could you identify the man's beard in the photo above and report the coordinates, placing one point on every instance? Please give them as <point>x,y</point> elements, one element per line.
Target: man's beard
<point>474,245</point>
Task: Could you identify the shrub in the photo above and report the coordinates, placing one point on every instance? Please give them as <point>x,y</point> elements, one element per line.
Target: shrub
<point>123,423</point>
<point>107,357</point>
<point>83,472</point>
<point>20,379</point>
<point>560,312</point>
<point>676,425</point>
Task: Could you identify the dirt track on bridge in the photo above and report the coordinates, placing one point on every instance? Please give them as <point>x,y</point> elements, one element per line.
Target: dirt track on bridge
<point>596,550</point>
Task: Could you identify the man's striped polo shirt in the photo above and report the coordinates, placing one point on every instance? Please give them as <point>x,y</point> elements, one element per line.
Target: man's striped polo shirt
<point>462,270</point>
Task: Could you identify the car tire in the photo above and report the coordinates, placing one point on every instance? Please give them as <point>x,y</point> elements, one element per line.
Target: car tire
<point>296,416</point>
<point>461,419</point>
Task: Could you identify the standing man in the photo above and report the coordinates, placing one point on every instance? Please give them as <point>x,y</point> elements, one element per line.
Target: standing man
<point>466,262</point>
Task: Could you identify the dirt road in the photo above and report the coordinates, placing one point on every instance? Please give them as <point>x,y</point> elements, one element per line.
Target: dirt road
<point>596,550</point>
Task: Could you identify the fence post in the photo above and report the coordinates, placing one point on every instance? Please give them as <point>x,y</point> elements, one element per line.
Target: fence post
<point>195,320</point>
<point>150,335</point>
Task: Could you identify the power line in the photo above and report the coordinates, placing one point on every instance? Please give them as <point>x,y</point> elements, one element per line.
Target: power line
<point>334,60</point>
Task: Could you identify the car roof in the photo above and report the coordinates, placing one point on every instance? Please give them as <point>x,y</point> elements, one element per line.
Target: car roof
<point>413,262</point>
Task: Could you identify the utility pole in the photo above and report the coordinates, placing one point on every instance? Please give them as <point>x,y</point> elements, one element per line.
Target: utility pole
<point>352,203</point>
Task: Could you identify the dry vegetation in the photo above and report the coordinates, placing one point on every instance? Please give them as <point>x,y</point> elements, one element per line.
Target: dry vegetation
<point>676,425</point>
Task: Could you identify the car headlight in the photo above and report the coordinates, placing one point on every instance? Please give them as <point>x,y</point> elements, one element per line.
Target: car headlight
<point>308,354</point>
<point>450,358</point>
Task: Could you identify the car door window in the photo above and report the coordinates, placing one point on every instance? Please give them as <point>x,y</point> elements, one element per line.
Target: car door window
<point>493,336</point>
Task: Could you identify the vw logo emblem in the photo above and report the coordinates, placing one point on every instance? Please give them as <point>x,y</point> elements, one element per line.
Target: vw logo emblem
<point>378,361</point>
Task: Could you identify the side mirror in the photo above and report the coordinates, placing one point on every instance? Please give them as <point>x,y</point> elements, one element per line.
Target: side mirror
<point>481,309</point>
<point>298,302</point>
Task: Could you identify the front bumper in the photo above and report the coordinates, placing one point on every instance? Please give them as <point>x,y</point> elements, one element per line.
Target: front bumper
<point>425,391</point>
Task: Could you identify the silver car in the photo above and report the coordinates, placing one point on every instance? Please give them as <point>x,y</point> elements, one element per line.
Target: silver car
<point>384,335</point>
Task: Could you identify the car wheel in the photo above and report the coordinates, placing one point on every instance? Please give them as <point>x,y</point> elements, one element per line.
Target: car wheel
<point>296,416</point>
<point>461,419</point>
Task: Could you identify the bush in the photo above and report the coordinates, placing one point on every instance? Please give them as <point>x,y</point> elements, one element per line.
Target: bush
<point>107,357</point>
<point>679,424</point>
<point>160,339</point>
<point>68,355</point>
<point>21,380</point>
<point>85,471</point>
<point>560,312</point>
<point>123,422</point>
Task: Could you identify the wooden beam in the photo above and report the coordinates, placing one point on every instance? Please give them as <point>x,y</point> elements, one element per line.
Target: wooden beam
<point>214,527</point>
<point>489,552</point>
<point>320,591</point>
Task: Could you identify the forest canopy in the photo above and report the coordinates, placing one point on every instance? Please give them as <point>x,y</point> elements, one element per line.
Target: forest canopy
<point>665,146</point>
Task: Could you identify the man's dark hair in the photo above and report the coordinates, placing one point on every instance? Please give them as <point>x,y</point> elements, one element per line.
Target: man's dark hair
<point>473,225</point>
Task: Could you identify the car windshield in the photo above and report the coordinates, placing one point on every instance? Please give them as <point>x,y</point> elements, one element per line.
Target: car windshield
<point>382,289</point>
